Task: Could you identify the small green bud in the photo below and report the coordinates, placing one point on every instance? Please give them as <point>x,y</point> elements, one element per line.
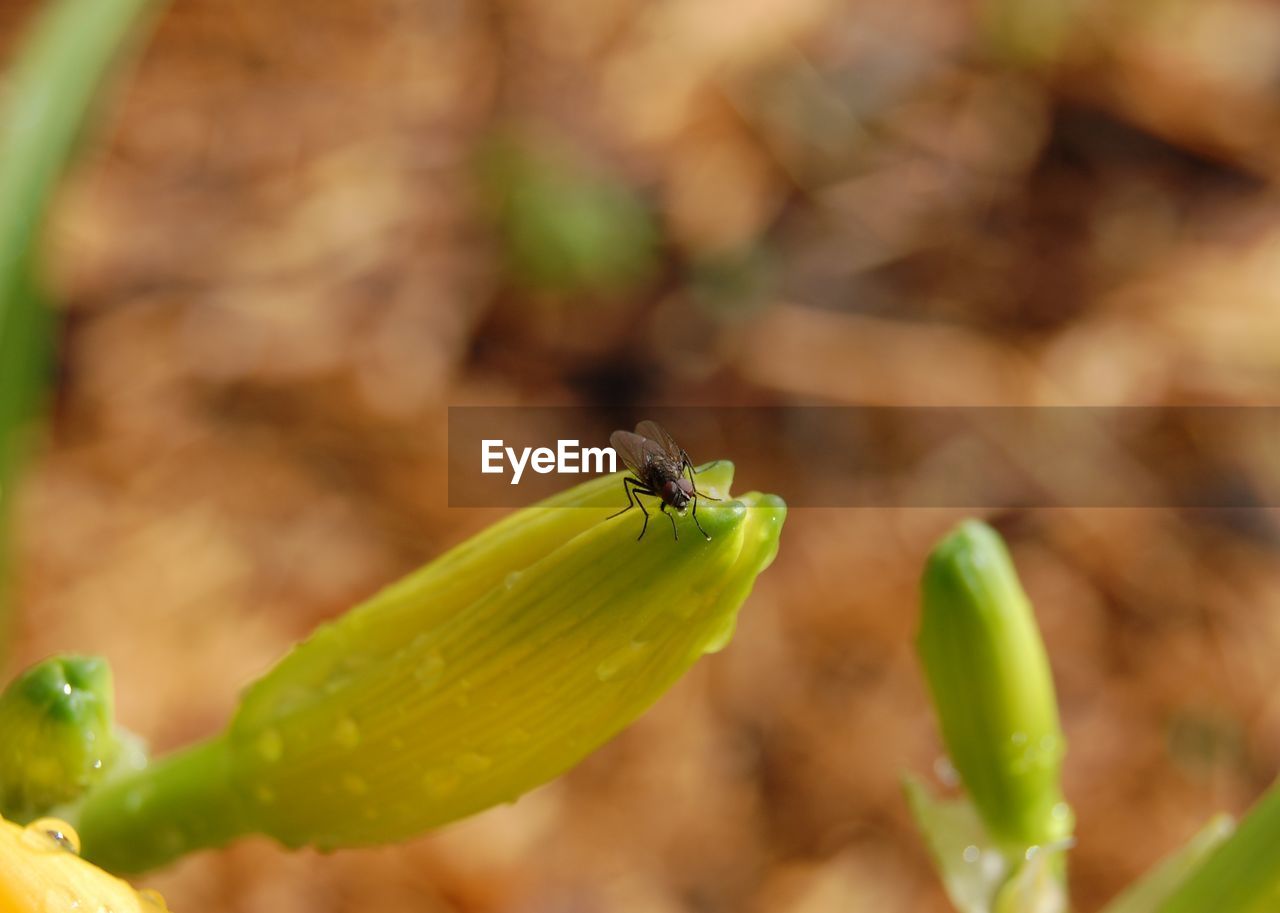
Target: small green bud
<point>58,737</point>
<point>991,685</point>
<point>488,672</point>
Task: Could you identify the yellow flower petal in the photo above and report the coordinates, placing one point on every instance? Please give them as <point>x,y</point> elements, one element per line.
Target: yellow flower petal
<point>40,873</point>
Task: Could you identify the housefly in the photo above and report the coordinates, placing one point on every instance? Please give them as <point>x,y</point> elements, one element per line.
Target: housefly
<point>661,469</point>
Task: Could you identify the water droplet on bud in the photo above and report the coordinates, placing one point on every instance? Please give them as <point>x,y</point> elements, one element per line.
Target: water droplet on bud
<point>428,671</point>
<point>49,835</point>
<point>152,898</point>
<point>270,745</point>
<point>721,634</point>
<point>347,733</point>
<point>471,763</point>
<point>621,661</point>
<point>946,772</point>
<point>440,783</point>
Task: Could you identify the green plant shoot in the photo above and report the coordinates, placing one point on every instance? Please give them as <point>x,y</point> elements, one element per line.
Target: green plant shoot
<point>1000,848</point>
<point>48,100</point>
<point>989,677</point>
<point>490,671</point>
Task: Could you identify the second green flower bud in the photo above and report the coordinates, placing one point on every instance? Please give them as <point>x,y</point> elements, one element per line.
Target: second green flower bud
<point>989,677</point>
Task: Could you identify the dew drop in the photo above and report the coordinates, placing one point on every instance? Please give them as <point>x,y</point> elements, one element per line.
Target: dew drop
<point>517,735</point>
<point>347,733</point>
<point>440,783</point>
<point>353,662</point>
<point>290,700</point>
<point>1025,756</point>
<point>152,898</point>
<point>946,772</point>
<point>512,579</point>
<point>428,671</point>
<point>58,897</point>
<point>620,662</point>
<point>721,634</point>
<point>472,763</point>
<point>972,854</point>
<point>354,784</point>
<point>1031,853</point>
<point>270,745</point>
<point>49,835</point>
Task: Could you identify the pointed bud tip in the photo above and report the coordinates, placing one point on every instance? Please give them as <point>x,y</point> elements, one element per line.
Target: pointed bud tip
<point>970,547</point>
<point>66,689</point>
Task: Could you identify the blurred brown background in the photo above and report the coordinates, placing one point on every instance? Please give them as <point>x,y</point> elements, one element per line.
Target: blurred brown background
<point>316,224</point>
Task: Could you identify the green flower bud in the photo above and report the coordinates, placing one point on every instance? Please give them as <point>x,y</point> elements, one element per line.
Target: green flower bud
<point>989,677</point>
<point>488,672</point>
<point>57,721</point>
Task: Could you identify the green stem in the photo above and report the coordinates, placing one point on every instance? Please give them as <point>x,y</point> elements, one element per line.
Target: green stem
<point>182,803</point>
<point>1243,874</point>
<point>57,78</point>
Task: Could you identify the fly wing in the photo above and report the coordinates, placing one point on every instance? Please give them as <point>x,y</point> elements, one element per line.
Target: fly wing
<point>636,451</point>
<point>655,432</point>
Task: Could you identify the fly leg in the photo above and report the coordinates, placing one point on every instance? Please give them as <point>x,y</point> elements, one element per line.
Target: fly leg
<point>696,494</point>
<point>631,502</point>
<point>643,511</point>
<point>634,488</point>
<point>672,518</point>
<point>695,518</point>
<point>688,462</point>
<point>688,465</point>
